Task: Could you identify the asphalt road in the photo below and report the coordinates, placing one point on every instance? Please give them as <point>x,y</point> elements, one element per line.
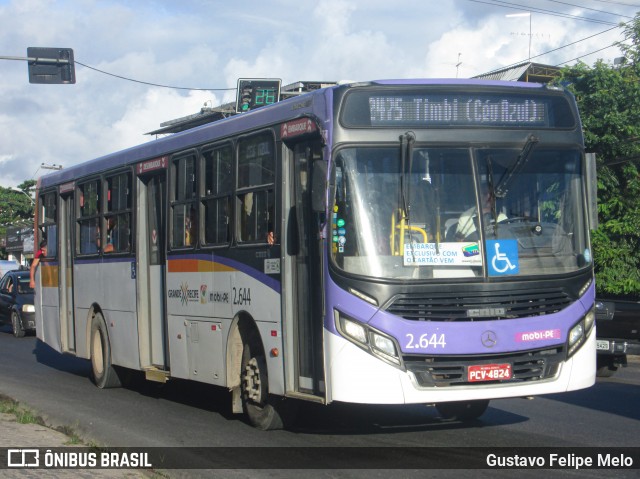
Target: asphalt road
<point>189,414</point>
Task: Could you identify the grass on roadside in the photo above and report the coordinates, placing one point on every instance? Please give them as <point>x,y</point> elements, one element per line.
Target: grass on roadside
<point>24,415</point>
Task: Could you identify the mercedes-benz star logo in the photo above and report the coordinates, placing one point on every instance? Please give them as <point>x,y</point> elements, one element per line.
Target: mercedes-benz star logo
<point>489,339</point>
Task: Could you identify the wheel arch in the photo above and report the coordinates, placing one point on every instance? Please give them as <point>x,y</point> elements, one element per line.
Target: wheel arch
<point>91,318</point>
<point>242,327</point>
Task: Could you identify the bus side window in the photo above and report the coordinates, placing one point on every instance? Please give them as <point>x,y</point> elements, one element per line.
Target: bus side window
<point>89,217</point>
<point>255,205</point>
<point>184,212</point>
<point>217,194</point>
<point>48,225</point>
<point>117,230</point>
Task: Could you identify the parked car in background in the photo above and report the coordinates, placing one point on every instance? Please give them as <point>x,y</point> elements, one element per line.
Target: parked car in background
<point>7,265</point>
<point>16,302</point>
<point>617,332</point>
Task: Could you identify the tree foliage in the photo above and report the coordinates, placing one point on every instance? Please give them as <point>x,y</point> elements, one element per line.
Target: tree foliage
<point>16,206</point>
<point>609,101</point>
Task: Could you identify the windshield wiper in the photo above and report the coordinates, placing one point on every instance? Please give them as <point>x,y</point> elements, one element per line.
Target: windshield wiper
<point>406,151</point>
<point>492,195</point>
<point>508,176</point>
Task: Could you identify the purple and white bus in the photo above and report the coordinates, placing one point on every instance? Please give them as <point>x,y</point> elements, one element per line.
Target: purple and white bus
<point>388,242</point>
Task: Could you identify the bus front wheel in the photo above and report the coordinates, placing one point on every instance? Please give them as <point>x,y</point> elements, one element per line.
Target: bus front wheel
<point>103,372</point>
<point>264,411</point>
<point>463,410</point>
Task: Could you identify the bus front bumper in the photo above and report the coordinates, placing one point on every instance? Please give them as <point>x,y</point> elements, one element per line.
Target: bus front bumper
<point>353,375</point>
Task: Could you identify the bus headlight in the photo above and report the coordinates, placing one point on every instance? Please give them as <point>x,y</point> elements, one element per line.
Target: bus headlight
<point>28,308</point>
<point>589,321</point>
<point>354,330</point>
<point>369,339</point>
<point>578,334</point>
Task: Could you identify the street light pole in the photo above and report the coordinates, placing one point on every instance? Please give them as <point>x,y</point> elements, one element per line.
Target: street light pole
<point>24,193</point>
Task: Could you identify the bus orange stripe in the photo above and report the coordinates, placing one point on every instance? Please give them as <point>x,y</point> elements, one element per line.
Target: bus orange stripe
<point>197,266</point>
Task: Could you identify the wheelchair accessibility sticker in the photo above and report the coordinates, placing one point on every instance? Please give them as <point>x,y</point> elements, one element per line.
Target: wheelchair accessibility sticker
<point>502,256</point>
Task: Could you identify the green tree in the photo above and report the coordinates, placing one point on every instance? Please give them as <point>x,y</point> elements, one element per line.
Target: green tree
<point>16,207</point>
<point>609,101</point>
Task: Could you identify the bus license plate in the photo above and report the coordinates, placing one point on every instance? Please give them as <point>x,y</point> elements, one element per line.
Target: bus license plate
<point>602,345</point>
<point>489,372</point>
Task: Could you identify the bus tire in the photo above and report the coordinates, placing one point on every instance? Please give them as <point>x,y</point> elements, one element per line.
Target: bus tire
<point>16,325</point>
<point>462,410</point>
<point>264,411</point>
<point>103,373</point>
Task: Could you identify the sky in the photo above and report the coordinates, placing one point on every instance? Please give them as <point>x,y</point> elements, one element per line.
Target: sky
<point>160,60</point>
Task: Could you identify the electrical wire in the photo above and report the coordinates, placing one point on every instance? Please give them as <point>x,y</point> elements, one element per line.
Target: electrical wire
<point>150,83</point>
<point>587,54</point>
<point>517,6</point>
<point>591,9</point>
<point>497,3</point>
<point>633,5</point>
<point>560,48</point>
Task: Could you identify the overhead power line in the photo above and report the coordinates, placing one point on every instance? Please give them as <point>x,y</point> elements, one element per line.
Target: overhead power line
<point>497,3</point>
<point>590,9</point>
<point>150,83</point>
<point>611,2</point>
<point>517,6</point>
<point>587,54</point>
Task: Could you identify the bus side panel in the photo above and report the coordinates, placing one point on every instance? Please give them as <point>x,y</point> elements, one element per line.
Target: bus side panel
<point>204,294</point>
<point>88,292</point>
<point>197,349</point>
<point>119,310</point>
<point>108,287</point>
<point>50,331</point>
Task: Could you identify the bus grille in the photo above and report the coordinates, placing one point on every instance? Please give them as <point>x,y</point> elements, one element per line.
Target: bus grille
<point>479,305</point>
<point>447,371</point>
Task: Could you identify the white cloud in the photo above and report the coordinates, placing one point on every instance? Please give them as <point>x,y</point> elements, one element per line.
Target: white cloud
<point>202,44</point>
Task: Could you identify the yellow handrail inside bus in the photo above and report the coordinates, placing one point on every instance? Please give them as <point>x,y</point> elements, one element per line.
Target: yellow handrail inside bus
<point>399,230</point>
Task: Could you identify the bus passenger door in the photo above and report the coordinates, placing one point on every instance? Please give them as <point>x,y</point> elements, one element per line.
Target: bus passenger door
<point>65,272</point>
<point>150,269</point>
<point>303,273</point>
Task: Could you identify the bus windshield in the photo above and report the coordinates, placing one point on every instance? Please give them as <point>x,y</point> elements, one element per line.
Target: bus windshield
<point>439,212</point>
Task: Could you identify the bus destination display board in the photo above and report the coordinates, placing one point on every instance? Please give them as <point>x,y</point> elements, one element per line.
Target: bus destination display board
<point>395,109</point>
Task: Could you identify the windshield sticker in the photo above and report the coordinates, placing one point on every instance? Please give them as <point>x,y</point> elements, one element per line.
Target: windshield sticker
<point>442,254</point>
<point>339,232</point>
<point>502,256</point>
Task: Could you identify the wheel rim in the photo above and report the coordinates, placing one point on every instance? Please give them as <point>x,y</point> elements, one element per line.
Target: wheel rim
<point>253,381</point>
<point>97,356</point>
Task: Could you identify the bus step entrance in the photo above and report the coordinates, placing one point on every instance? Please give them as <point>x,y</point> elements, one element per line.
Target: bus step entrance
<point>157,375</point>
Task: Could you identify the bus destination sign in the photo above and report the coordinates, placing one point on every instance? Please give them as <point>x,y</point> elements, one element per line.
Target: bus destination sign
<point>456,110</point>
<point>399,109</point>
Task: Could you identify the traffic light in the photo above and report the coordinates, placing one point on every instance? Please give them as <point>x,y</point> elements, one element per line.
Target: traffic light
<point>256,92</point>
<point>51,65</point>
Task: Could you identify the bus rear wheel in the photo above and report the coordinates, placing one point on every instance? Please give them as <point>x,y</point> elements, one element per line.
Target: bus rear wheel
<point>264,411</point>
<point>103,373</point>
<point>463,410</point>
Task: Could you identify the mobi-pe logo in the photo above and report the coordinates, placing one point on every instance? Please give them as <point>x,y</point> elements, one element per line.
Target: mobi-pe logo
<point>23,458</point>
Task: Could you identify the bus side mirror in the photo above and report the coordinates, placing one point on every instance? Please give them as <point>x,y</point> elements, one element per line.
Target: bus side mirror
<point>319,186</point>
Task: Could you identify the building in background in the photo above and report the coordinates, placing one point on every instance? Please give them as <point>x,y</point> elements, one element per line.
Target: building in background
<point>19,244</point>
